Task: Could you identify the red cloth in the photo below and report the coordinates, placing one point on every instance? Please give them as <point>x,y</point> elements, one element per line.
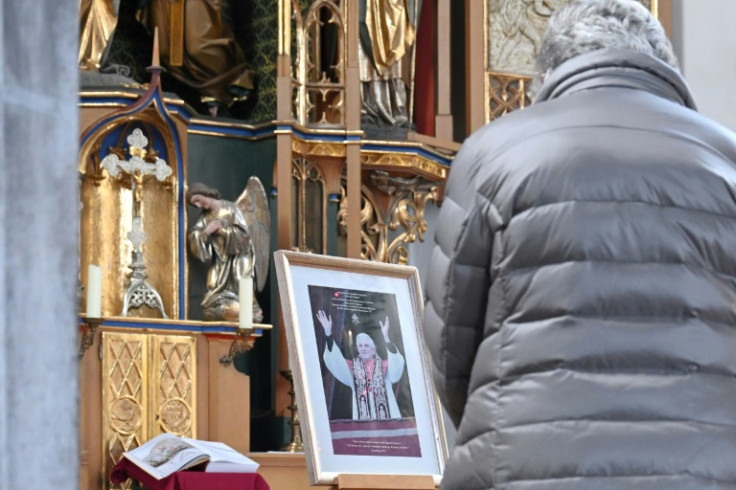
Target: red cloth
<point>424,76</point>
<point>188,480</point>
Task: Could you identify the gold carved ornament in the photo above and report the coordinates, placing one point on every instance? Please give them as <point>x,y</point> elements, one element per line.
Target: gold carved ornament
<point>507,93</point>
<point>390,30</point>
<point>318,148</point>
<point>319,95</point>
<point>97,20</point>
<point>405,212</point>
<point>311,212</point>
<point>111,205</point>
<point>149,387</point>
<point>124,397</point>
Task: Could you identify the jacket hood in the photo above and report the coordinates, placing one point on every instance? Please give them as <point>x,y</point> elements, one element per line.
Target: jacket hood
<point>616,68</point>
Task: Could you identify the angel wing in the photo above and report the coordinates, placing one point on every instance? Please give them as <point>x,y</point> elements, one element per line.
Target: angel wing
<point>254,205</point>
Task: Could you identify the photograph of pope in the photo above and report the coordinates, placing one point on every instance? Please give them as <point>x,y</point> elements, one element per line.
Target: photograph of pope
<point>370,377</point>
<point>361,354</point>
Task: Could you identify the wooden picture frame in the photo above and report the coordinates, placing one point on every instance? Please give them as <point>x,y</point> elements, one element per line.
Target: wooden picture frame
<point>355,418</point>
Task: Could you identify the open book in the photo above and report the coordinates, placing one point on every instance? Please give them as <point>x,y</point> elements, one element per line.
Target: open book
<point>167,453</point>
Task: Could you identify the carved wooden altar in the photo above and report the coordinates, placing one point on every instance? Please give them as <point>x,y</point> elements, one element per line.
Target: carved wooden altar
<point>336,189</point>
<point>145,366</point>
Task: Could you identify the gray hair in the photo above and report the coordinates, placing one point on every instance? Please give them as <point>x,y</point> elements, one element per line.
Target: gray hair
<point>367,338</point>
<point>588,25</point>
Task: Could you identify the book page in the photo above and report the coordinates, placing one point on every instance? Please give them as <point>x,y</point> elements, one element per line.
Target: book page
<point>164,455</point>
<point>223,458</point>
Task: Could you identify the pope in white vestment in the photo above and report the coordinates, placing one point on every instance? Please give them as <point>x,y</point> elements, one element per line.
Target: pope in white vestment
<point>369,377</point>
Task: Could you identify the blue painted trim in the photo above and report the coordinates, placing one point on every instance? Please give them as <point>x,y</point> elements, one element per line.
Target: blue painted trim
<point>177,108</point>
<point>407,149</point>
<point>173,327</point>
<point>243,132</point>
<point>269,130</point>
<point>155,96</point>
<point>161,107</point>
<point>317,136</point>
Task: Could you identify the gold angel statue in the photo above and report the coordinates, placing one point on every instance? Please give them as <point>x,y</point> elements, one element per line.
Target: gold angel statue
<point>234,238</point>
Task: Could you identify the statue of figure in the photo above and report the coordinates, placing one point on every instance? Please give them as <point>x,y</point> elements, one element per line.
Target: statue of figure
<point>520,26</point>
<point>205,54</point>
<point>234,236</point>
<point>97,20</point>
<point>386,35</point>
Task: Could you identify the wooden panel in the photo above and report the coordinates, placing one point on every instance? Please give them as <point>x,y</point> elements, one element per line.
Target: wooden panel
<point>664,14</point>
<point>283,470</point>
<point>125,397</point>
<point>90,421</point>
<point>474,49</point>
<point>174,385</point>
<point>443,118</point>
<point>384,482</point>
<point>135,386</point>
<point>229,400</point>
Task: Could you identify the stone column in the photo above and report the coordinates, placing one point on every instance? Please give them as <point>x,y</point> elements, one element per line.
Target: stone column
<point>39,215</point>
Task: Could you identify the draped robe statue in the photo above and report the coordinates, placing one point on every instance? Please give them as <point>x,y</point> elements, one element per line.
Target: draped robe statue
<point>205,56</point>
<point>386,36</point>
<point>234,238</point>
<point>97,20</point>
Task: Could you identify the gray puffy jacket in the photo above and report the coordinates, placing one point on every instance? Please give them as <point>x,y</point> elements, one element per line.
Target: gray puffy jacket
<point>581,303</point>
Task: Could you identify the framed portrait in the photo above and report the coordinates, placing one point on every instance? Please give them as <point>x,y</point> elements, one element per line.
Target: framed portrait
<point>362,378</point>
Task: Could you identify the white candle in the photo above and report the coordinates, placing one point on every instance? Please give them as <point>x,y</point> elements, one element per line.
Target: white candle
<point>155,61</point>
<point>246,302</point>
<point>94,291</point>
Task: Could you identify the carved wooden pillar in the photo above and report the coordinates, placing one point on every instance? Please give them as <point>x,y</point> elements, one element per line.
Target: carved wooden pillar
<point>352,122</point>
<point>475,20</point>
<point>283,137</point>
<point>283,180</point>
<point>443,119</point>
<point>663,10</point>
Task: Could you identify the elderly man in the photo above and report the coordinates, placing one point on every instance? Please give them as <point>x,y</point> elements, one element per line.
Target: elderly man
<point>370,378</point>
<point>582,303</point>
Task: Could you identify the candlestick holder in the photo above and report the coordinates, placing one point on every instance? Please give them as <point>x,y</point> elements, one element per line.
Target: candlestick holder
<point>296,445</point>
<point>241,343</point>
<point>89,328</point>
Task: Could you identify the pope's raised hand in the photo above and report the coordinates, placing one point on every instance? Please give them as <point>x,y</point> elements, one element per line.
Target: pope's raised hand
<point>325,321</point>
<point>384,329</point>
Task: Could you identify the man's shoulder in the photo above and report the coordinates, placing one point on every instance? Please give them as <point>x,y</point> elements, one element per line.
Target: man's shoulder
<point>714,134</point>
<point>511,129</point>
<point>479,153</point>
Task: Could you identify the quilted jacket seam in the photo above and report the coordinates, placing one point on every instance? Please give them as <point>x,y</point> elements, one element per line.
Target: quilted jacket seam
<point>500,322</point>
<point>646,475</point>
<point>449,277</point>
<point>522,270</point>
<point>535,206</point>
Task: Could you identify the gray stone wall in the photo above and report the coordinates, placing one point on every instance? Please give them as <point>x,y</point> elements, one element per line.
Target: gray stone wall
<point>705,42</point>
<point>39,209</point>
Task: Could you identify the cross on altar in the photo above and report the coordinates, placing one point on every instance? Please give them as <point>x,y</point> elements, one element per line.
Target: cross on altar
<point>139,292</point>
